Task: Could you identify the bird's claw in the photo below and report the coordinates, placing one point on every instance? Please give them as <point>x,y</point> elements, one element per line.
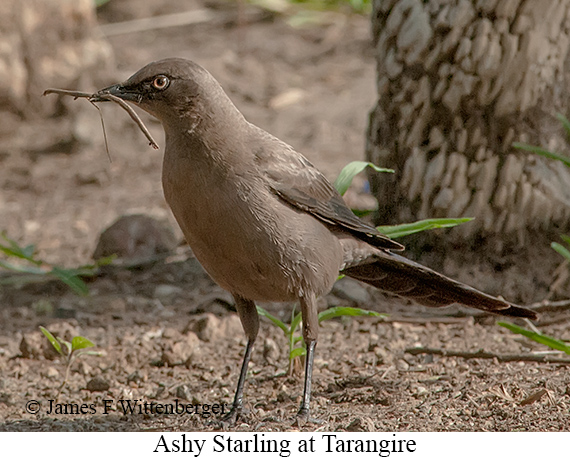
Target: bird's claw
<point>303,417</point>
<point>230,419</point>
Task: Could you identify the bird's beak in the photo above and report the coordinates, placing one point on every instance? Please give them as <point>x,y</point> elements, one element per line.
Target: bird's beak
<point>120,91</point>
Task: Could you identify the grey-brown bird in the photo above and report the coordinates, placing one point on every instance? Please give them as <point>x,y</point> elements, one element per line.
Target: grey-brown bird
<point>262,220</point>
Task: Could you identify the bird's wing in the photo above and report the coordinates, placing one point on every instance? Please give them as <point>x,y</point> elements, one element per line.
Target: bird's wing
<point>296,181</point>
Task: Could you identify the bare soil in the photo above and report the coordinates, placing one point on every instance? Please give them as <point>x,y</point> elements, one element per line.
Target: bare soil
<point>168,334</point>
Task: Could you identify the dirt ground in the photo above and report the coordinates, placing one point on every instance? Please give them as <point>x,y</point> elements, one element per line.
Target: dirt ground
<point>169,335</point>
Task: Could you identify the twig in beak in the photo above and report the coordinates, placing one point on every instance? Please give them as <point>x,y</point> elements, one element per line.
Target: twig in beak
<point>93,98</point>
<point>134,116</point>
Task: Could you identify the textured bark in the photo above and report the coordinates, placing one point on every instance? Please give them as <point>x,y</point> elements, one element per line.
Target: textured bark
<point>458,82</point>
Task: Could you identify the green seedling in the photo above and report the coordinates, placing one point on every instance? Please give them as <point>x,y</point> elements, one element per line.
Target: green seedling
<point>294,339</point>
<point>552,343</point>
<point>37,270</point>
<point>347,174</point>
<point>69,352</point>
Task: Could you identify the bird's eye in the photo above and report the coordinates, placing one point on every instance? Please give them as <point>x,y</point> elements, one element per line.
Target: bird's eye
<point>160,82</point>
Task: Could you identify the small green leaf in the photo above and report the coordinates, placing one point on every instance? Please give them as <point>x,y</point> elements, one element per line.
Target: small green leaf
<point>543,152</point>
<point>14,250</point>
<point>538,337</point>
<point>79,342</point>
<point>273,319</point>
<point>339,311</point>
<point>565,238</point>
<point>348,173</point>
<point>561,250</point>
<point>71,279</point>
<point>52,340</point>
<point>396,231</point>
<point>297,352</point>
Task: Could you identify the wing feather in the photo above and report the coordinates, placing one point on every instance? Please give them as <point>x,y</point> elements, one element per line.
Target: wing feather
<point>296,181</point>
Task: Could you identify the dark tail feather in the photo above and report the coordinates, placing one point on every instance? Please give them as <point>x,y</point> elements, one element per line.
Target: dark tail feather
<point>396,274</point>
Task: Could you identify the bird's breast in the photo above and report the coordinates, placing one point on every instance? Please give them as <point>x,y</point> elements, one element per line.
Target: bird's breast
<point>250,242</point>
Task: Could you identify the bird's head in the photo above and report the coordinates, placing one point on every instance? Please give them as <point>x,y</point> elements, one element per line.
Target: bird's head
<point>177,91</point>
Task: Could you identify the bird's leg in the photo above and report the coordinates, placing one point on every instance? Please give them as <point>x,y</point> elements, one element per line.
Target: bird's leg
<point>237,405</point>
<point>250,321</point>
<point>310,334</point>
<point>304,409</point>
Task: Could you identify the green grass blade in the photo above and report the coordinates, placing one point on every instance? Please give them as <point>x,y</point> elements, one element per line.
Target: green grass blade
<point>273,319</point>
<point>339,311</point>
<point>396,231</point>
<point>52,340</point>
<point>70,278</point>
<point>565,238</point>
<point>79,342</point>
<point>561,250</point>
<point>348,173</point>
<point>538,337</point>
<point>543,152</point>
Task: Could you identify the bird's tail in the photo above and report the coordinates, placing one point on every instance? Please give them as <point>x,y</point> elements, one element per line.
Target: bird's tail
<point>396,274</point>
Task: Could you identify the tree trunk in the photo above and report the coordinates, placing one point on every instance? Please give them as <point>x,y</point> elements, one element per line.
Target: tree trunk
<point>458,82</point>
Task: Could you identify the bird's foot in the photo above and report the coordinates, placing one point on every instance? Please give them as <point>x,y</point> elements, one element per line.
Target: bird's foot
<point>230,419</point>
<point>303,417</point>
